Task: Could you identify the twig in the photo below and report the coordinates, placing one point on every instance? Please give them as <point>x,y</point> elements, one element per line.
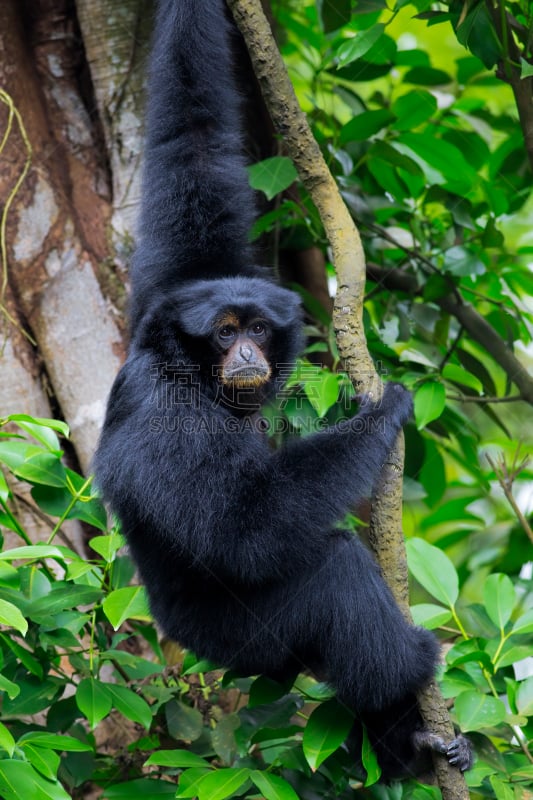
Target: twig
<point>506,478</point>
<point>474,324</point>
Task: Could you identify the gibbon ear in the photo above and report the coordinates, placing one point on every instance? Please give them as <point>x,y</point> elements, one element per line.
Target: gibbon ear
<point>198,306</point>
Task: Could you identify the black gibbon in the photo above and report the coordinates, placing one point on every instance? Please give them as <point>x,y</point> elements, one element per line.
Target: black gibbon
<point>238,544</point>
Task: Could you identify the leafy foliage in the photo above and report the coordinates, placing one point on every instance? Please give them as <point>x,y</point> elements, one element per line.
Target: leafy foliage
<point>78,650</point>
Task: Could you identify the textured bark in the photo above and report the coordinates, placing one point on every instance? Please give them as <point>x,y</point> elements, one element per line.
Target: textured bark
<point>116,37</point>
<point>56,226</point>
<point>348,257</point>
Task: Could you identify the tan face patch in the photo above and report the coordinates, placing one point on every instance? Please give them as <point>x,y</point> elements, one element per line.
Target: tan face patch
<point>245,365</point>
<point>230,319</point>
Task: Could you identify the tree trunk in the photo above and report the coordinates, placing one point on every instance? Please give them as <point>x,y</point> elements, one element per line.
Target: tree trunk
<point>57,235</point>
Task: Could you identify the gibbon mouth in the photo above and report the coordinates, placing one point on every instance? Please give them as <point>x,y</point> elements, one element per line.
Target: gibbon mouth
<point>246,376</point>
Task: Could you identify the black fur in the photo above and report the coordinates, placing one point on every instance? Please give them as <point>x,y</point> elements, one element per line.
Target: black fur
<point>237,544</point>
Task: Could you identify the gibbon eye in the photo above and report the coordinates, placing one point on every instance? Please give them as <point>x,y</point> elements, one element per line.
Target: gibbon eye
<point>227,332</point>
<point>258,329</point>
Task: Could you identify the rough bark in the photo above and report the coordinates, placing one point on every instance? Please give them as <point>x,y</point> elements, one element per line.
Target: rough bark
<point>115,37</point>
<point>56,226</point>
<point>348,257</point>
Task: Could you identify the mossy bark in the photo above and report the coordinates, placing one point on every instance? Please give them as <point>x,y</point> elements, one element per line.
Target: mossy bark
<point>386,536</point>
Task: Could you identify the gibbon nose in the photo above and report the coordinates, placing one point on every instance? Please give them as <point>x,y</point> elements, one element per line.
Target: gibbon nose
<point>246,352</point>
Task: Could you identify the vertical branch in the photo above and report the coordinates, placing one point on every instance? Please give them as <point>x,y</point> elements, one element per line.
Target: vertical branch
<point>348,257</point>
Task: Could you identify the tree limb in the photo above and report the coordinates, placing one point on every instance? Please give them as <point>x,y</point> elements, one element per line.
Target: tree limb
<point>348,257</point>
<point>476,326</point>
<point>509,70</point>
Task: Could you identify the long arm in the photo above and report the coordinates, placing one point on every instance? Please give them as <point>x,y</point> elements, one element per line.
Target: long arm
<point>288,502</point>
<point>288,513</point>
<point>197,207</point>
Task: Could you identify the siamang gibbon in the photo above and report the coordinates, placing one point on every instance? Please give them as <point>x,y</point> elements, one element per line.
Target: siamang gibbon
<point>239,545</point>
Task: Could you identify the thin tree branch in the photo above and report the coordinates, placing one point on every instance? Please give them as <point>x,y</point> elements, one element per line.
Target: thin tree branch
<point>506,479</point>
<point>348,257</point>
<point>476,326</point>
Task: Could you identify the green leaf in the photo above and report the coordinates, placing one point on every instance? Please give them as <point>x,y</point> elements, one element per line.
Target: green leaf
<point>7,742</point>
<point>478,34</point>
<point>265,690</point>
<point>513,655</point>
<point>430,616</point>
<point>500,598</point>
<point>360,44</point>
<point>427,76</point>
<point>107,546</point>
<point>35,695</point>
<point>53,741</point>
<point>412,109</point>
<point>326,730</point>
<point>365,125</point>
<point>43,468</point>
<point>334,15</point>
<point>5,492</point>
<point>11,616</point>
<point>476,711</point>
<point>433,570</point>
<point>526,70</point>
<point>18,779</point>
<point>524,624</point>
<point>456,374</point>
<point>524,697</point>
<point>94,700</point>
<point>386,152</point>
<point>183,722</point>
<point>127,603</point>
<point>42,433</point>
<point>192,664</point>
<point>38,551</point>
<point>442,157</point>
<point>503,789</point>
<point>313,690</point>
<point>273,787</point>
<point>45,761</point>
<point>24,656</point>
<point>14,453</point>
<point>430,401</point>
<point>140,789</point>
<point>63,596</point>
<point>91,511</point>
<point>459,261</point>
<point>223,738</point>
<point>41,422</point>
<point>272,175</point>
<point>322,391</point>
<point>222,783</point>
<point>175,758</point>
<point>190,781</point>
<point>369,760</point>
<point>130,704</point>
<point>55,502</point>
<point>11,689</point>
